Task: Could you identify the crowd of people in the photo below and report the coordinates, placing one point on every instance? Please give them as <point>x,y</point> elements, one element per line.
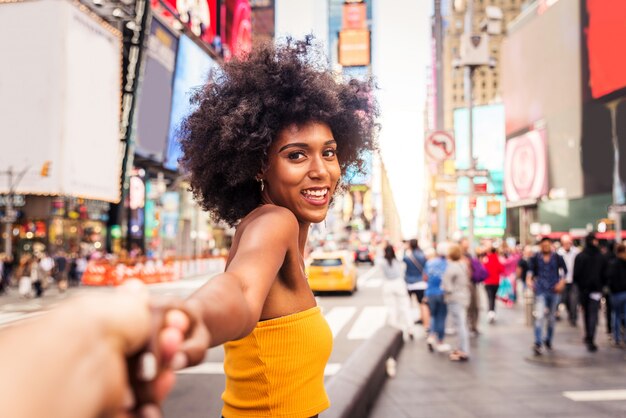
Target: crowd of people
<point>445,282</point>
<point>32,274</point>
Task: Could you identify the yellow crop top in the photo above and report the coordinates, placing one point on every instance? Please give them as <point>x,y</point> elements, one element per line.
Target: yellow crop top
<point>278,370</point>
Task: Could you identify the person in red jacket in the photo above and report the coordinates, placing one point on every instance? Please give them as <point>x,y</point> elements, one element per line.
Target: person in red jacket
<point>495,269</point>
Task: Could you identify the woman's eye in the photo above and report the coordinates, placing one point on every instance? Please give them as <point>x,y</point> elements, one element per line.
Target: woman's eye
<point>296,155</point>
<point>330,152</point>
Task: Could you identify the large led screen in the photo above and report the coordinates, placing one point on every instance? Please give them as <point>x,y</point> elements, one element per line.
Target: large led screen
<point>192,69</point>
<point>153,112</point>
<point>488,149</point>
<point>607,51</point>
<point>60,100</point>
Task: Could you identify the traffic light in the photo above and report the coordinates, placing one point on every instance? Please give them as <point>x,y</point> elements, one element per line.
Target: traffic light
<point>45,169</point>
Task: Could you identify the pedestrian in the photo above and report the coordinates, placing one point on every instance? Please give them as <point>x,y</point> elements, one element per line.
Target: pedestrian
<point>8,264</point>
<point>478,275</point>
<point>81,267</point>
<point>395,295</point>
<point>265,147</point>
<point>589,276</point>
<point>61,270</point>
<point>608,251</point>
<point>435,269</point>
<point>546,277</point>
<point>616,281</point>
<point>415,261</point>
<point>47,267</point>
<point>456,285</point>
<point>23,274</point>
<point>492,282</point>
<point>37,277</point>
<point>82,354</point>
<point>570,294</point>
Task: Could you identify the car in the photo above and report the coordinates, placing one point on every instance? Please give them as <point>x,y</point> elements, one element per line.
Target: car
<point>363,255</point>
<point>332,272</point>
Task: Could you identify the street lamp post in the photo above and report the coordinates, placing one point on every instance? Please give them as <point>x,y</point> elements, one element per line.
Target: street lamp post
<point>10,215</point>
<point>474,54</point>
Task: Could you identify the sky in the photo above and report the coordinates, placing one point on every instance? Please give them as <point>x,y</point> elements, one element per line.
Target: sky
<point>401,52</point>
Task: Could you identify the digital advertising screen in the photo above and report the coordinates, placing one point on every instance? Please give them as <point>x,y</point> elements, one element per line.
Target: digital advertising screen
<point>155,99</point>
<point>193,66</point>
<point>607,51</point>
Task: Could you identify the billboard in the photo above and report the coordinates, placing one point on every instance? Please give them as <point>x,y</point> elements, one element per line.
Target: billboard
<point>526,166</point>
<point>603,144</point>
<point>237,30</point>
<point>192,69</point>
<point>488,149</point>
<point>262,19</point>
<point>354,47</point>
<point>542,88</point>
<point>607,52</point>
<point>153,106</point>
<point>199,16</point>
<point>63,101</point>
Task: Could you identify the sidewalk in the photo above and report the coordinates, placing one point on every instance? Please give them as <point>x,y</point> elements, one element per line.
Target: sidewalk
<point>504,379</point>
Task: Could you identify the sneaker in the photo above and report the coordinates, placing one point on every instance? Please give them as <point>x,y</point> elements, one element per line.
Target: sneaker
<point>592,348</point>
<point>431,343</point>
<point>443,348</point>
<point>491,316</point>
<point>537,349</point>
<point>548,345</point>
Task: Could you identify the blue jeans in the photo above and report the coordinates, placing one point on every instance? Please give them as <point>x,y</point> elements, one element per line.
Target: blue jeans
<point>543,301</point>
<point>619,314</point>
<point>438,312</point>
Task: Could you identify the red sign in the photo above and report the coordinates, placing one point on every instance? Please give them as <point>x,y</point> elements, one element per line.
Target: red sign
<point>439,146</point>
<point>606,30</point>
<point>237,30</point>
<point>200,16</point>
<point>526,166</point>
<point>354,16</point>
<point>480,187</point>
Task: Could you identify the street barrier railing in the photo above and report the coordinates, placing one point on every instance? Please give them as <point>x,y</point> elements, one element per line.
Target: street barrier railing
<point>108,273</point>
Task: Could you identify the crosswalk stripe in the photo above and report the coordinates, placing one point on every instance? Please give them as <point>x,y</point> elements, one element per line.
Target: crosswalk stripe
<point>218,368</point>
<point>596,395</point>
<point>367,276</point>
<point>9,317</point>
<point>368,322</point>
<point>338,317</point>
<point>372,283</point>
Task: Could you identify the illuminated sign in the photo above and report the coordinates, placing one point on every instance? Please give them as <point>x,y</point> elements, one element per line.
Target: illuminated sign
<point>354,47</point>
<point>526,167</point>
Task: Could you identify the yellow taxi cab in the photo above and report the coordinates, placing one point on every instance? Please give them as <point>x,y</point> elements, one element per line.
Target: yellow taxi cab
<point>332,271</point>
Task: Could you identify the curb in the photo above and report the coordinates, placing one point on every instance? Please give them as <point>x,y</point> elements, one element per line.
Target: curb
<point>354,389</point>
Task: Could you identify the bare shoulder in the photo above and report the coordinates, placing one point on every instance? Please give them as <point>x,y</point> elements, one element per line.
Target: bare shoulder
<point>271,219</point>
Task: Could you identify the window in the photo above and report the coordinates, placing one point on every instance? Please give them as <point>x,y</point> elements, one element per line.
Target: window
<point>326,262</point>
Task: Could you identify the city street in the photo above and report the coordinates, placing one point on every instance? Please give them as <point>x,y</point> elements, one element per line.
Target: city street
<point>504,379</point>
<point>353,319</point>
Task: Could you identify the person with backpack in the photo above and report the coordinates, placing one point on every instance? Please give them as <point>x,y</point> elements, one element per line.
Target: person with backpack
<point>478,274</point>
<point>414,277</point>
<point>546,277</point>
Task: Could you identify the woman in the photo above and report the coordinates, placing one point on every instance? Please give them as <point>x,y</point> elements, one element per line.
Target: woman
<point>394,293</point>
<point>415,261</point>
<point>456,285</point>
<point>265,149</point>
<point>435,268</point>
<point>494,269</point>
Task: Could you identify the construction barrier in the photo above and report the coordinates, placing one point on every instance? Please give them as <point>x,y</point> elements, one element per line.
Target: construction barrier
<point>107,273</point>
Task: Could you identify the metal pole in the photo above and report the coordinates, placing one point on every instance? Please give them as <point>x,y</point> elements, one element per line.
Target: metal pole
<point>469,85</point>
<point>442,211</point>
<point>8,225</point>
<point>618,190</point>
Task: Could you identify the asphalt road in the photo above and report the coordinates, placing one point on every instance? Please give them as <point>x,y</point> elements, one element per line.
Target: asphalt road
<point>353,319</point>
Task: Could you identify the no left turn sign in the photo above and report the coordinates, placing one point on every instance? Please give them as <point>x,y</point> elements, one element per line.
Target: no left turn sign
<point>439,146</point>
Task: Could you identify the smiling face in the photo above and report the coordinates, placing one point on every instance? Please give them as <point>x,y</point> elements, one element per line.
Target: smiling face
<point>303,171</point>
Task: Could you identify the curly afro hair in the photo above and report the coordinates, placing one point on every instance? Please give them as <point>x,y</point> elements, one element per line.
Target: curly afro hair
<point>241,110</point>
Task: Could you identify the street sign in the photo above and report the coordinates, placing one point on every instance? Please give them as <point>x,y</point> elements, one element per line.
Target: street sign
<point>480,187</point>
<point>493,207</point>
<point>439,146</point>
<point>617,208</point>
<point>472,172</point>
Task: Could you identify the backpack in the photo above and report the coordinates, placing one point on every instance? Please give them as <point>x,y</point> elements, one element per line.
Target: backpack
<point>479,272</point>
